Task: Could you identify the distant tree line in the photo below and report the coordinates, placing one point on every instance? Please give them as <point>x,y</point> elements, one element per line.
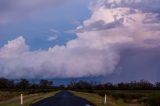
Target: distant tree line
<point>133,85</point>
<point>42,85</point>
<point>25,85</point>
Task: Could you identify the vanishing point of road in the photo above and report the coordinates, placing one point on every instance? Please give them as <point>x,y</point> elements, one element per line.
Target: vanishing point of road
<point>63,98</point>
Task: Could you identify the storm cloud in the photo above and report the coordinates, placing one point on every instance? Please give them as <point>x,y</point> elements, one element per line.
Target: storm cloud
<point>114,26</point>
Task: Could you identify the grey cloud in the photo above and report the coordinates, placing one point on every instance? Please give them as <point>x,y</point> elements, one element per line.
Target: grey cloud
<point>144,5</point>
<point>101,25</point>
<point>140,64</point>
<point>13,10</point>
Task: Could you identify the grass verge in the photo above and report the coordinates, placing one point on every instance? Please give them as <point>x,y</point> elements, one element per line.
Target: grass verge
<point>28,99</point>
<point>99,100</point>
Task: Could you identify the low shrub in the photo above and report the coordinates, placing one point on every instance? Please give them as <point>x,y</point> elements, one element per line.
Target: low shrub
<point>126,96</point>
<point>154,99</point>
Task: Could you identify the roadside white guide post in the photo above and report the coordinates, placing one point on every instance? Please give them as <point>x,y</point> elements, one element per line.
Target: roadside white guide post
<point>21,99</point>
<point>105,99</point>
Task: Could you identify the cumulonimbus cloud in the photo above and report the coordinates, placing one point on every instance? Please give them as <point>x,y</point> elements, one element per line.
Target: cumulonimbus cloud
<point>114,25</point>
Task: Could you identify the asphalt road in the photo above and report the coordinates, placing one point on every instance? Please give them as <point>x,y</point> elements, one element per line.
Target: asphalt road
<point>63,98</point>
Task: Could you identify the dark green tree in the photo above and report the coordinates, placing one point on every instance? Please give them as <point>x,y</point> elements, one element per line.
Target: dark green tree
<point>23,84</point>
<point>45,84</point>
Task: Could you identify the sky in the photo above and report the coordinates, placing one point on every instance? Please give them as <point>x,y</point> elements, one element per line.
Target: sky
<point>104,40</point>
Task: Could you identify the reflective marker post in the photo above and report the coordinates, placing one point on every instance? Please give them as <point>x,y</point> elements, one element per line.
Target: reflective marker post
<point>105,99</point>
<point>21,99</point>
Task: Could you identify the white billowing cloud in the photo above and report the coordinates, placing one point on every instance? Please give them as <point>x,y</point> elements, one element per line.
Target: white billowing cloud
<point>97,48</point>
<point>14,47</point>
<point>74,60</point>
<point>123,24</point>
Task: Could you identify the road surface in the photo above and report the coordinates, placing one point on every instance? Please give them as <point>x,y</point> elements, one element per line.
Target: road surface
<point>63,98</point>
